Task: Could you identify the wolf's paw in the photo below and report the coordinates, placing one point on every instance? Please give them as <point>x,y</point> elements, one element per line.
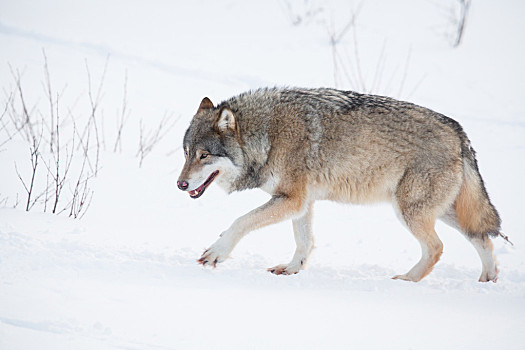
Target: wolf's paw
<point>406,277</point>
<point>216,253</point>
<point>489,276</point>
<point>285,269</point>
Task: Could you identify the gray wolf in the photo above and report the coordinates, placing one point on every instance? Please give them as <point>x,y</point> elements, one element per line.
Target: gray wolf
<point>303,145</point>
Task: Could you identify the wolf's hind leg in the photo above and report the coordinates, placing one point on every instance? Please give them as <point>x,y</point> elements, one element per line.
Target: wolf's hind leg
<point>419,199</point>
<point>484,247</point>
<point>481,243</point>
<point>304,239</point>
<point>431,250</point>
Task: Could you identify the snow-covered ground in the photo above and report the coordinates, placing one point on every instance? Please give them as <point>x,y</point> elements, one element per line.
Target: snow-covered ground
<point>126,277</point>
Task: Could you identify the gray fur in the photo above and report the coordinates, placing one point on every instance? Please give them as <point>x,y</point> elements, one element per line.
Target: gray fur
<point>303,145</point>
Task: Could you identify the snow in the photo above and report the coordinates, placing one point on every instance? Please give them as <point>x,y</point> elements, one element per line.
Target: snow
<point>125,276</point>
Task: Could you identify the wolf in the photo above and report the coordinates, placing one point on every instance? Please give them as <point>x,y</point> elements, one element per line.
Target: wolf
<point>302,145</point>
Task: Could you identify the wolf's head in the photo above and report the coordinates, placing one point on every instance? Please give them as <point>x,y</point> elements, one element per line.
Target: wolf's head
<point>212,150</point>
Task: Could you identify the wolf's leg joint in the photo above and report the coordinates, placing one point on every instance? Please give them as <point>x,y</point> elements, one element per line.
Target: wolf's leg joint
<point>431,250</point>
<point>304,240</point>
<point>484,247</point>
<point>482,244</point>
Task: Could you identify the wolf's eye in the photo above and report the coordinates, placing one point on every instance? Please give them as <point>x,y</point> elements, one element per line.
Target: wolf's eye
<point>204,155</point>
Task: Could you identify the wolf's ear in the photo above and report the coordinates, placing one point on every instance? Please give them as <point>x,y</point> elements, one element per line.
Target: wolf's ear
<point>225,121</point>
<point>205,104</point>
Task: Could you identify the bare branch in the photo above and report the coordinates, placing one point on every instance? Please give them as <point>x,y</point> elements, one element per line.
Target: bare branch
<point>71,154</point>
<point>3,201</point>
<point>148,140</point>
<point>31,200</point>
<point>124,116</point>
<point>405,73</point>
<point>335,39</point>
<point>49,93</point>
<point>308,13</point>
<point>4,124</point>
<point>362,80</point>
<point>464,6</point>
<point>94,106</point>
<point>25,124</point>
<point>376,81</point>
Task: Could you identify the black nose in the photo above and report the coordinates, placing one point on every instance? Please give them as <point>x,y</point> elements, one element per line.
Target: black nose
<point>182,185</point>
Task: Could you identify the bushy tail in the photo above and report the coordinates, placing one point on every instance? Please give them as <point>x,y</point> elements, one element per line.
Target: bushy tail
<point>476,214</point>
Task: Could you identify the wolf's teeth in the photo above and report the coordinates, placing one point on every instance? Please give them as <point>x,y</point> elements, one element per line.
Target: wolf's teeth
<point>196,192</point>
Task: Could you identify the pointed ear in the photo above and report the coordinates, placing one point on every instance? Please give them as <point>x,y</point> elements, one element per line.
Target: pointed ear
<point>205,104</point>
<point>225,121</point>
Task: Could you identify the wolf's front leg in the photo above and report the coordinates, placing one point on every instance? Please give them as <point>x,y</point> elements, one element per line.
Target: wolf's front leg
<point>277,209</point>
<point>304,239</point>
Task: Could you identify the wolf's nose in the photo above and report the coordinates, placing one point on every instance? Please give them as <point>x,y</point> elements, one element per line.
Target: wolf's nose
<point>182,185</point>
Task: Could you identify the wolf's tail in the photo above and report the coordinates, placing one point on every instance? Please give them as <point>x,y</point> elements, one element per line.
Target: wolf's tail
<point>475,212</point>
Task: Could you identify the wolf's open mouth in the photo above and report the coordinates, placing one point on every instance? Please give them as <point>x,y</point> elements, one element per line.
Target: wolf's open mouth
<point>196,193</point>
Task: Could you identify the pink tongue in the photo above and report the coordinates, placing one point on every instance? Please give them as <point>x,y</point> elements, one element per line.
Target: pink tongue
<point>192,193</point>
